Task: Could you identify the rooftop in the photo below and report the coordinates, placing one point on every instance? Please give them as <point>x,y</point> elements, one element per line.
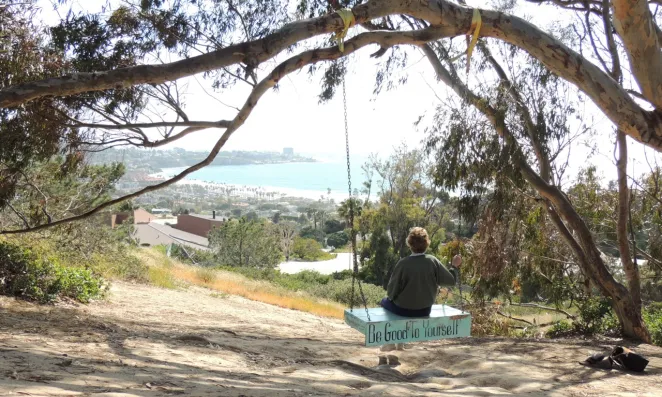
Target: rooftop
<point>155,234</point>
<point>218,217</point>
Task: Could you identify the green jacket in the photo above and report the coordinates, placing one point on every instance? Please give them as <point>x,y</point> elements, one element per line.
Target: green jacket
<point>416,279</point>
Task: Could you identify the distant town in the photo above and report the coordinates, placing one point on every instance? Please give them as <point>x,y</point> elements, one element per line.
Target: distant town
<point>207,199</point>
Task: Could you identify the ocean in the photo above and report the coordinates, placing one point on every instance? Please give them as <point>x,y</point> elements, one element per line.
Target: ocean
<point>310,180</point>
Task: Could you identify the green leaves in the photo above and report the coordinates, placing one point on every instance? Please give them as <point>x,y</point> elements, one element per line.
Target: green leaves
<point>61,187</point>
<point>240,242</point>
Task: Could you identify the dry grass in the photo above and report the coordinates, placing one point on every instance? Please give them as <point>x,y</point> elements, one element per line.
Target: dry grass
<point>161,277</point>
<point>236,284</point>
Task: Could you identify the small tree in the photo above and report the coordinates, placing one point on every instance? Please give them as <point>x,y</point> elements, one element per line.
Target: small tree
<point>338,239</point>
<point>241,242</point>
<point>306,248</point>
<point>317,235</point>
<point>287,233</point>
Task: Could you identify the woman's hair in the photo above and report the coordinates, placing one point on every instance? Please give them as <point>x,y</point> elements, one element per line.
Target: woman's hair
<point>418,240</point>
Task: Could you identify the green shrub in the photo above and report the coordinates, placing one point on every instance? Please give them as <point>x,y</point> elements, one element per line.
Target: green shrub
<point>653,319</point>
<point>593,312</point>
<point>314,234</point>
<point>336,287</point>
<point>338,239</point>
<point>122,265</point>
<point>306,249</point>
<point>342,275</point>
<point>30,276</point>
<point>341,291</point>
<point>559,329</point>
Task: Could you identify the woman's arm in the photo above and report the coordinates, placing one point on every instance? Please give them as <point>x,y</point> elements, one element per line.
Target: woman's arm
<point>446,276</point>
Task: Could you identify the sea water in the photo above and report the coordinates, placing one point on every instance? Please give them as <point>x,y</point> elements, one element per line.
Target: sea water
<point>310,180</point>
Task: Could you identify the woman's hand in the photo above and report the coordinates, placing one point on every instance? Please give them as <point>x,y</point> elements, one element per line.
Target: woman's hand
<point>457,261</point>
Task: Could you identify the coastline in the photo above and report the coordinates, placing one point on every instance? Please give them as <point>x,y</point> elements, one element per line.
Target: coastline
<point>313,183</point>
<point>248,191</point>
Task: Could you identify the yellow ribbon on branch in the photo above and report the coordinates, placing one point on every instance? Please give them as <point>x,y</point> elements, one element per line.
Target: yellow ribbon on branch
<point>476,23</point>
<point>347,18</point>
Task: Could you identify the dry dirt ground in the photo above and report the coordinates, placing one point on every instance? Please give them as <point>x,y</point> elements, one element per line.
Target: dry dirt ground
<point>145,341</point>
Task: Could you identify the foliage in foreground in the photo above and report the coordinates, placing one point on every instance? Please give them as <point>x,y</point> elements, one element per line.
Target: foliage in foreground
<point>30,276</point>
<point>653,319</point>
<point>69,261</point>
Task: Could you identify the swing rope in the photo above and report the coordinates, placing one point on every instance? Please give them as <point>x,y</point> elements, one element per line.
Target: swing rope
<point>352,202</point>
<point>348,18</point>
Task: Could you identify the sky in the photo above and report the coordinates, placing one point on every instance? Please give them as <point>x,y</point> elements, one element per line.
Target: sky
<point>292,116</point>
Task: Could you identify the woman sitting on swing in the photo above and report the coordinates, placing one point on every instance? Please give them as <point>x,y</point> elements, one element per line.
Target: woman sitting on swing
<point>416,279</point>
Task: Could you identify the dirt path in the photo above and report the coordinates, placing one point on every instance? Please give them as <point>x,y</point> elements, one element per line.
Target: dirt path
<point>146,341</point>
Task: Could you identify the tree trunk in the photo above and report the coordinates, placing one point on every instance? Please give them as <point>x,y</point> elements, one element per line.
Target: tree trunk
<point>589,257</point>
<point>629,267</point>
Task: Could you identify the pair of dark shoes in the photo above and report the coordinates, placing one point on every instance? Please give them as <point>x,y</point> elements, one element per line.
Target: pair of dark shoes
<point>620,358</point>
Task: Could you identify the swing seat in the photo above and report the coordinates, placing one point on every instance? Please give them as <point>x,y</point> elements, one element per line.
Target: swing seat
<point>385,327</point>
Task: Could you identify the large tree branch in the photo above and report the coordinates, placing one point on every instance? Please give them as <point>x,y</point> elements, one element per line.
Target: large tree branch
<point>250,53</point>
<point>202,124</point>
<point>636,122</point>
<point>634,23</point>
<point>192,126</point>
<point>385,39</point>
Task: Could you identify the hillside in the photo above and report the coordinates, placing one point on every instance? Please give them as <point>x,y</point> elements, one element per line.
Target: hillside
<point>156,160</point>
<point>145,341</point>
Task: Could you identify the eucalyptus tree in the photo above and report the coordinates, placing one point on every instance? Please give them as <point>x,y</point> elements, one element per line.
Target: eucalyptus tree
<point>93,81</point>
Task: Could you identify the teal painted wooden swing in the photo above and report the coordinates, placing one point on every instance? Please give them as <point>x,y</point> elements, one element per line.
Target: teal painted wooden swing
<point>378,325</point>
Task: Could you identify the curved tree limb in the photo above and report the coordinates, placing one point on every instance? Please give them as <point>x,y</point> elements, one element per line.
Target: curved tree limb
<point>202,124</point>
<point>250,53</point>
<point>292,64</point>
<point>609,96</point>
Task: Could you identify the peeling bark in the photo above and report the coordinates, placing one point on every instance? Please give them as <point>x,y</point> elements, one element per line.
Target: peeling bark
<point>634,23</point>
<point>630,268</point>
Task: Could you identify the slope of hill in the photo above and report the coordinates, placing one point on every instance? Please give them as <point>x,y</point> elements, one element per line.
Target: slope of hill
<point>145,341</point>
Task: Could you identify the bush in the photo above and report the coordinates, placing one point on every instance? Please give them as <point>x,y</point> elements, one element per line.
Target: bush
<point>342,275</point>
<point>341,291</point>
<point>653,319</point>
<point>593,311</point>
<point>30,276</point>
<point>339,239</point>
<point>315,234</point>
<point>307,249</point>
<point>559,329</point>
<point>336,287</point>
<point>123,266</point>
<point>333,226</point>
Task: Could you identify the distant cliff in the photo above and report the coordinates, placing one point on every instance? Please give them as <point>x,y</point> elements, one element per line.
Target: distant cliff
<point>156,160</point>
